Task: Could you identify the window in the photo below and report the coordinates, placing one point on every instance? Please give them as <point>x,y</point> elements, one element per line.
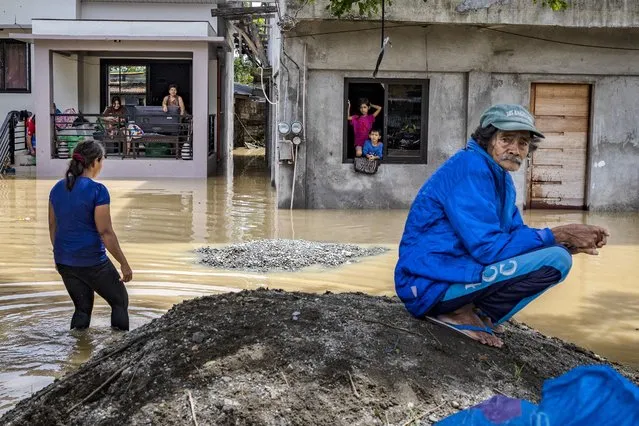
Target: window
<point>129,82</point>
<point>403,121</point>
<point>14,66</point>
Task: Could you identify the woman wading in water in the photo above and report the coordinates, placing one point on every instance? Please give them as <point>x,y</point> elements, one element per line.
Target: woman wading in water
<point>80,228</point>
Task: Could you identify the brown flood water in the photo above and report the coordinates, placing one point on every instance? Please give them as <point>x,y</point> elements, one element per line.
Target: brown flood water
<point>160,222</point>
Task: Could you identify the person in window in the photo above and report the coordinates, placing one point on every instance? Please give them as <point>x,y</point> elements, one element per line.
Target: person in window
<point>80,229</point>
<point>373,147</point>
<point>362,124</point>
<point>466,259</point>
<point>172,99</point>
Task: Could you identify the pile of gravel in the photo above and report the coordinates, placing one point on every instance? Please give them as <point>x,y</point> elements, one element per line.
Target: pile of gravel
<point>287,255</point>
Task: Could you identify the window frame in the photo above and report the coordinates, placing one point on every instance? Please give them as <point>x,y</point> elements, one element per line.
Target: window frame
<point>422,158</point>
<point>3,62</point>
<point>104,76</point>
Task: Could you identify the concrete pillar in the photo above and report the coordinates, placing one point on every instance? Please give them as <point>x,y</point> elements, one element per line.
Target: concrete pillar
<point>200,108</point>
<point>286,174</point>
<point>228,117</point>
<point>43,96</point>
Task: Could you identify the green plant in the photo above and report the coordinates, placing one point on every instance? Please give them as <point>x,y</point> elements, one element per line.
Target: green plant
<point>518,371</point>
<point>344,8</point>
<point>554,4</point>
<point>243,70</point>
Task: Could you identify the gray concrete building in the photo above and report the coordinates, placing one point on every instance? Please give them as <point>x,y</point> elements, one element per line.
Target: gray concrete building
<point>576,70</point>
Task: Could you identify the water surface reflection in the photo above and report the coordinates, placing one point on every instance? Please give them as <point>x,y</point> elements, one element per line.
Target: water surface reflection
<point>160,222</point>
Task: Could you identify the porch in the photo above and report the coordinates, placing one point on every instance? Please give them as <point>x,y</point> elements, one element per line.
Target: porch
<point>85,63</point>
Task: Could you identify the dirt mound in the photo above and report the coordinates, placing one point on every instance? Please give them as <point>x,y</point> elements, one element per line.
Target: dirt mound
<point>275,358</point>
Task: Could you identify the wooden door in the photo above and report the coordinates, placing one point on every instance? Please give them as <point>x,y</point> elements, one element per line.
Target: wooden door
<point>557,171</point>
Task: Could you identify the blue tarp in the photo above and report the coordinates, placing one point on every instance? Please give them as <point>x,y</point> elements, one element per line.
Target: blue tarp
<point>584,396</point>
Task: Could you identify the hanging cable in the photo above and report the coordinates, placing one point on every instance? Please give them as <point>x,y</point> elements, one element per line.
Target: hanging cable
<point>264,91</point>
<point>385,41</point>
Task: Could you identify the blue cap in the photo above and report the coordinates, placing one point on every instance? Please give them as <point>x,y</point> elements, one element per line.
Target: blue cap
<point>509,117</point>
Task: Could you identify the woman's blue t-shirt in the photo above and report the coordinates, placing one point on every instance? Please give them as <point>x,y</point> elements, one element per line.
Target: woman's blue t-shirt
<point>77,241</point>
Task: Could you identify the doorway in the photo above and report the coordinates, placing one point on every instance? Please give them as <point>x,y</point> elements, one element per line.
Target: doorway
<point>557,170</point>
<point>163,74</point>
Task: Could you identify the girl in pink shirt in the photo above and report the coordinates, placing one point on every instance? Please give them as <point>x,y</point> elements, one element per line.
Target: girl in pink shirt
<point>362,124</point>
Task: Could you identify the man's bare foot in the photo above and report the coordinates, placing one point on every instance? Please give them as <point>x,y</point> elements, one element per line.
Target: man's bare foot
<point>466,316</point>
<point>497,329</point>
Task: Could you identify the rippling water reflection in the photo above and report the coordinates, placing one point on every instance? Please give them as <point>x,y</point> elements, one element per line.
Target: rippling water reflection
<point>160,222</point>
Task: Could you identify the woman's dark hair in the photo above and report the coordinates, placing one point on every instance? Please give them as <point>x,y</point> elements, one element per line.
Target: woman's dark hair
<point>172,86</point>
<point>483,135</point>
<point>364,101</point>
<point>116,98</point>
<point>84,154</point>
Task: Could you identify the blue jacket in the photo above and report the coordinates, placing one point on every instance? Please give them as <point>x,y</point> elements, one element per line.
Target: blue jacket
<point>463,219</point>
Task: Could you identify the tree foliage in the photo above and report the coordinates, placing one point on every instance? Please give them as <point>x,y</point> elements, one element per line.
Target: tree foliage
<point>554,4</point>
<point>343,8</point>
<point>244,70</point>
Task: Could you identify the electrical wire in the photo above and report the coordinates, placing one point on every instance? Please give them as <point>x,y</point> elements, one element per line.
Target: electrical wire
<point>258,143</point>
<point>548,40</point>
<point>264,91</point>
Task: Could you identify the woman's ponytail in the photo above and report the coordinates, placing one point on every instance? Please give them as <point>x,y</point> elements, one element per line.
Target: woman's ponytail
<point>84,154</point>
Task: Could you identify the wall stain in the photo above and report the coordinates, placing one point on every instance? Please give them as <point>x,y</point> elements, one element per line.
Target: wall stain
<point>476,5</point>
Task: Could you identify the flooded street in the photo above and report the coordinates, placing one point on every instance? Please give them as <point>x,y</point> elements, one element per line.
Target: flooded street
<point>160,223</point>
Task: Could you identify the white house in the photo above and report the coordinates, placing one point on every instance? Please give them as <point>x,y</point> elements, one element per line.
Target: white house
<point>79,53</point>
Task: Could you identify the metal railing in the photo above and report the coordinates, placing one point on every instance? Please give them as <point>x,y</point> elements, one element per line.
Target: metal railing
<point>12,139</point>
<point>152,136</point>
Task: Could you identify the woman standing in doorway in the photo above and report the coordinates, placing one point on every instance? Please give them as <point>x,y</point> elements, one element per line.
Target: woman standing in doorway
<point>80,228</point>
<point>172,99</point>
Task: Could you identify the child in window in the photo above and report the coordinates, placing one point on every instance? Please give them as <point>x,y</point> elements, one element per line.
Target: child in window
<point>373,147</point>
<point>362,124</point>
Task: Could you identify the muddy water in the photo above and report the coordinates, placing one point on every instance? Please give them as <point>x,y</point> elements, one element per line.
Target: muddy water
<point>160,222</point>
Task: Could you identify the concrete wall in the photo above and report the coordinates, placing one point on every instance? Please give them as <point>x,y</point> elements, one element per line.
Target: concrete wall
<point>65,81</point>
<point>581,13</point>
<point>65,87</point>
<point>15,101</point>
<point>21,12</point>
<point>333,184</point>
<point>614,153</point>
<point>150,12</point>
<point>469,69</point>
<point>91,87</point>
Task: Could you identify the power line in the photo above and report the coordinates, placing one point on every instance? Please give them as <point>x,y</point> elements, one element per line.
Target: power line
<point>568,43</point>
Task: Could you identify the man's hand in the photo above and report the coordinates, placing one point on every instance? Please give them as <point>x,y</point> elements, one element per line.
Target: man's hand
<point>127,273</point>
<point>581,238</point>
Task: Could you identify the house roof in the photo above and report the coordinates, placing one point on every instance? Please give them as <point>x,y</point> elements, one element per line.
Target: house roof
<point>240,89</point>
